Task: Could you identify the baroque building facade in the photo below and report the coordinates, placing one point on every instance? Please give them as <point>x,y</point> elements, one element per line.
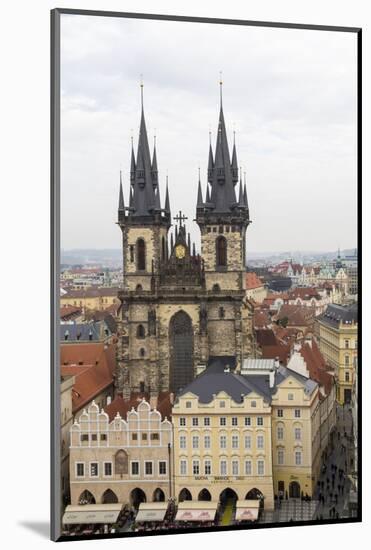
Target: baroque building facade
<point>180,308</point>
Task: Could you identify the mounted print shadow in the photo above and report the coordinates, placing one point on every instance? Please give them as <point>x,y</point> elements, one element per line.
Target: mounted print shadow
<point>205,274</point>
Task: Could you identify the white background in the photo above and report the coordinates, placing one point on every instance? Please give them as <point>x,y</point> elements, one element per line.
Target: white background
<point>24,179</point>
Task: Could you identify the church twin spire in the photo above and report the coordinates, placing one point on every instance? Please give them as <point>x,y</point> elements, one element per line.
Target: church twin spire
<point>222,175</point>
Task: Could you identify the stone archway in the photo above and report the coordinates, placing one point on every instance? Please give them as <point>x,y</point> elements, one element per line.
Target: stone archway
<point>184,495</point>
<point>204,494</point>
<point>294,489</point>
<point>109,497</point>
<point>86,497</point>
<point>228,494</point>
<point>137,496</point>
<point>158,495</point>
<point>181,351</point>
<point>255,494</point>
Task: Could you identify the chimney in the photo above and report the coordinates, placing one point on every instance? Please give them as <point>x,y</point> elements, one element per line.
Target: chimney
<point>272,378</point>
<point>171,398</point>
<point>109,400</point>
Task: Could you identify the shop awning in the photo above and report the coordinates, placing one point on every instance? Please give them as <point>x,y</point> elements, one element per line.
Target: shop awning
<point>196,511</point>
<point>247,510</point>
<point>151,511</point>
<point>91,513</point>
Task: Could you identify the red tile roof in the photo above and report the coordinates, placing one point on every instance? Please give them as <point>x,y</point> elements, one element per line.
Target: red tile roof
<point>265,337</point>
<point>252,281</point>
<point>297,315</point>
<point>282,351</point>
<point>316,364</point>
<point>93,375</point>
<point>123,406</point>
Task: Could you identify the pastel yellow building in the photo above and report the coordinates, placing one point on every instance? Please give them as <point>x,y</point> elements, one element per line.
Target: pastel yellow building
<point>337,334</point>
<point>296,435</point>
<point>91,298</point>
<point>222,440</point>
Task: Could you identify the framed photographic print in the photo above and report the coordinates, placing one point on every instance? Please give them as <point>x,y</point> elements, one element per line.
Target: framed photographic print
<point>205,277</point>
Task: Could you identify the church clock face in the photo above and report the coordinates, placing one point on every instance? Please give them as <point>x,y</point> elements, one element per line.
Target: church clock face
<point>180,251</point>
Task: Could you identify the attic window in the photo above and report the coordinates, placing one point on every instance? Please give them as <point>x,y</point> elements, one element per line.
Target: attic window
<point>222,404</point>
<point>253,403</point>
<point>81,362</point>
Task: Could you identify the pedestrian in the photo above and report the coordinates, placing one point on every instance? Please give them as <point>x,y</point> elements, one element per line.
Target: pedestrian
<point>337,515</point>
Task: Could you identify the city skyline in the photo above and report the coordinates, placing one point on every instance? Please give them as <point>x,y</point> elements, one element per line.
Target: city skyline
<point>305,129</point>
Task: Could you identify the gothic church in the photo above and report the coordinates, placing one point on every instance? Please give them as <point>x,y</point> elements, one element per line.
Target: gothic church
<point>180,310</point>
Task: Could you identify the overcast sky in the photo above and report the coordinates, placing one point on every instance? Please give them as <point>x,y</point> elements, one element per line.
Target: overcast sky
<point>289,94</point>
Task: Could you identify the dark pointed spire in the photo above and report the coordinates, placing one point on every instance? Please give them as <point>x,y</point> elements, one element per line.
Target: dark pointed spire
<point>245,193</point>
<point>222,188</point>
<point>234,165</point>
<point>121,196</point>
<point>207,194</point>
<point>199,192</point>
<point>241,202</point>
<point>167,200</point>
<point>154,170</point>
<point>132,164</point>
<point>210,167</point>
<point>144,194</point>
<point>131,198</point>
<point>157,203</point>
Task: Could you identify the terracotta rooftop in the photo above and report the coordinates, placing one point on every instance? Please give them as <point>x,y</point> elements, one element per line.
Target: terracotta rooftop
<point>123,406</point>
<point>318,370</point>
<point>252,281</point>
<point>93,365</point>
<point>297,315</point>
<point>282,351</point>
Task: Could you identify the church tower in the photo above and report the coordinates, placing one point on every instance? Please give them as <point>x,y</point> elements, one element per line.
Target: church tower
<point>222,217</point>
<point>181,311</point>
<point>144,225</point>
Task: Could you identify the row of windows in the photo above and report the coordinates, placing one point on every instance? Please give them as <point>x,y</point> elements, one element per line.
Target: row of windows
<point>108,468</point>
<point>281,457</point>
<point>297,412</point>
<point>235,442</point>
<point>224,468</point>
<point>222,421</point>
<point>280,433</point>
<point>221,403</point>
<point>154,436</point>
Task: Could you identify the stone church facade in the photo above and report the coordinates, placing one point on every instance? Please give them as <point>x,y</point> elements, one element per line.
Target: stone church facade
<point>181,309</point>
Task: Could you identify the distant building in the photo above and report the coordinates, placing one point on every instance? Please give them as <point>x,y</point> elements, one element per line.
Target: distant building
<point>255,288</point>
<point>91,298</point>
<point>337,334</point>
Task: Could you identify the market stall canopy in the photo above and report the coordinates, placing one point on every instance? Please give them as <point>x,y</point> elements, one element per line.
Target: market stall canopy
<point>151,511</point>
<point>196,511</point>
<point>247,510</point>
<point>91,513</point>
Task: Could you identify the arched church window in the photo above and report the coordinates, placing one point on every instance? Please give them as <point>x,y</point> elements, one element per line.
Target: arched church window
<point>221,251</point>
<point>141,255</point>
<point>142,352</point>
<point>163,249</point>
<point>138,288</point>
<point>221,312</point>
<point>216,288</point>
<point>141,331</point>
